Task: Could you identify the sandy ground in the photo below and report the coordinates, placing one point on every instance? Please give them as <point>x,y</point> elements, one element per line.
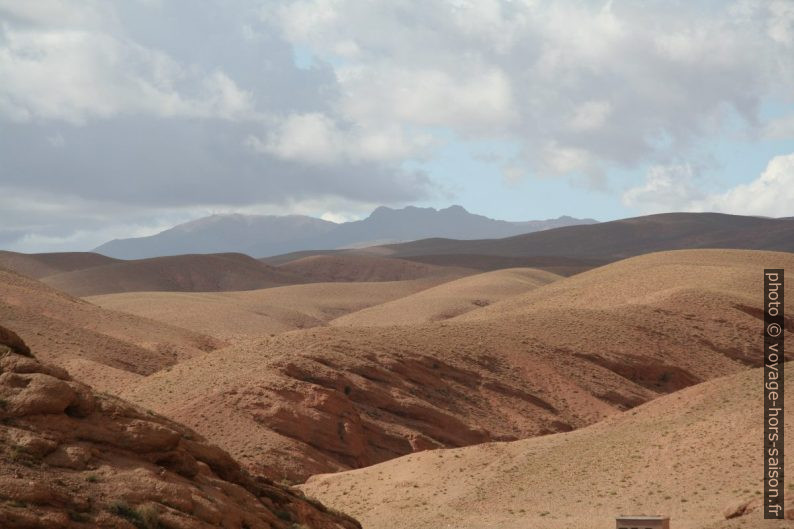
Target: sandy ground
<point>360,267</point>
<point>260,313</point>
<point>450,299</point>
<point>581,353</point>
<point>331,398</point>
<point>689,455</point>
<point>62,328</point>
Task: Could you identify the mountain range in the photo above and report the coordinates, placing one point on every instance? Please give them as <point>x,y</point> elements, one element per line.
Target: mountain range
<point>267,235</point>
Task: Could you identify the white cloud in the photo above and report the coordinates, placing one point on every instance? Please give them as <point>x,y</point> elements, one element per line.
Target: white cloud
<point>584,86</point>
<point>62,13</point>
<point>591,115</point>
<point>478,98</point>
<point>77,74</point>
<point>675,188</point>
<point>781,23</point>
<point>771,194</point>
<point>316,138</point>
<point>666,188</point>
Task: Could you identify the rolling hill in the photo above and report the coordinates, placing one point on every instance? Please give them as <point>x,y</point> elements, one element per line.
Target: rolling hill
<point>71,457</point>
<point>180,273</point>
<point>330,398</point>
<point>41,265</point>
<point>87,274</point>
<point>259,313</point>
<point>358,267</point>
<point>449,299</point>
<point>99,346</point>
<point>694,455</point>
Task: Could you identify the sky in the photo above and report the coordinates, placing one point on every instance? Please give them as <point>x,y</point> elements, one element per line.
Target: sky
<point>120,118</point>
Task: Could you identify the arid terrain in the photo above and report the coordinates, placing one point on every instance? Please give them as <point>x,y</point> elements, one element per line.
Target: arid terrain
<point>411,264</point>
<point>72,458</point>
<point>260,313</point>
<point>338,397</point>
<point>429,394</point>
<point>693,455</point>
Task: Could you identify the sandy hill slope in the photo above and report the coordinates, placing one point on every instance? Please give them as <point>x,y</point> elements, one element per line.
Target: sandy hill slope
<point>88,339</point>
<point>651,279</point>
<point>46,264</point>
<point>450,299</point>
<point>623,238</point>
<point>694,455</point>
<point>564,266</point>
<point>454,263</point>
<point>357,267</point>
<point>259,313</point>
<point>180,273</point>
<point>332,398</point>
<point>73,458</point>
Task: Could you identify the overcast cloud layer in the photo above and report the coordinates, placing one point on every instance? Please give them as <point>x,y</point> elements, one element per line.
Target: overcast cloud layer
<point>118,116</point>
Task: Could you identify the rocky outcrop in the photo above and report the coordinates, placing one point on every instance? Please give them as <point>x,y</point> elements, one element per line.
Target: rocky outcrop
<point>73,458</point>
<point>745,507</point>
<point>9,339</point>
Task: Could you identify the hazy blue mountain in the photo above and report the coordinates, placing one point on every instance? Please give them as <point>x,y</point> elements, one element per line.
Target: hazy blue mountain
<point>265,235</point>
<point>247,234</point>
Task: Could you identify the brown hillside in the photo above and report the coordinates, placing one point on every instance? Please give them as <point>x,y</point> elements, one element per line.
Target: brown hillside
<point>622,238</point>
<point>694,455</point>
<point>648,279</point>
<point>180,273</point>
<point>259,313</point>
<point>564,266</point>
<point>71,458</point>
<point>46,264</point>
<point>356,267</point>
<point>327,399</point>
<point>450,299</point>
<point>283,258</point>
<point>61,328</point>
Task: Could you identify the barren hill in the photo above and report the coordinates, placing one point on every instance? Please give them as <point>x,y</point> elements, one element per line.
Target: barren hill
<point>357,267</point>
<point>621,238</point>
<point>46,264</point>
<point>73,458</point>
<point>180,273</point>
<point>694,455</point>
<point>564,266</point>
<point>327,399</point>
<point>260,313</point>
<point>91,341</point>
<point>651,279</point>
<point>450,299</point>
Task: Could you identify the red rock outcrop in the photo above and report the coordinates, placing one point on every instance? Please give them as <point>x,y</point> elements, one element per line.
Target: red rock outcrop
<point>74,458</point>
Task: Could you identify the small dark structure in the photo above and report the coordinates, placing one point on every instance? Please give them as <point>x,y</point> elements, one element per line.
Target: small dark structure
<point>642,522</point>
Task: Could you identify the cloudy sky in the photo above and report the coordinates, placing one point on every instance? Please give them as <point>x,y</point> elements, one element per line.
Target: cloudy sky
<point>120,118</point>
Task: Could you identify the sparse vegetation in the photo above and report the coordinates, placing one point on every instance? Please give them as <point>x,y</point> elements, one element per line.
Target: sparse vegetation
<point>79,517</point>
<point>284,515</point>
<point>143,517</point>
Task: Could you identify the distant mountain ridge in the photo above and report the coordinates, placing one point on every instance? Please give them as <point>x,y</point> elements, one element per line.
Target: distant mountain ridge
<point>267,235</point>
<point>618,239</point>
